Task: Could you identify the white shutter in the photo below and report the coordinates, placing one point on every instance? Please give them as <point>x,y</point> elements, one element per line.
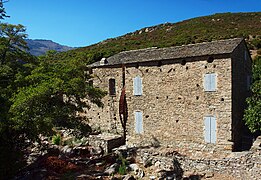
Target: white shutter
<point>213,130</point>
<point>207,81</point>
<point>138,122</point>
<point>207,129</point>
<point>137,84</point>
<point>210,129</point>
<point>210,82</point>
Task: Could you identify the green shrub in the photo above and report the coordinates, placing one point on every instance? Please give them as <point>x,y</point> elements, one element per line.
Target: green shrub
<point>56,139</point>
<point>256,43</point>
<point>122,169</point>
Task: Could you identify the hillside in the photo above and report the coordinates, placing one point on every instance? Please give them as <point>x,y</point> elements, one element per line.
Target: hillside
<point>39,46</point>
<point>196,30</point>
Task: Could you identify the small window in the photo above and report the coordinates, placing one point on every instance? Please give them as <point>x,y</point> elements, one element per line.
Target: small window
<point>137,86</point>
<point>112,89</point>
<point>210,129</point>
<point>138,122</point>
<point>210,82</point>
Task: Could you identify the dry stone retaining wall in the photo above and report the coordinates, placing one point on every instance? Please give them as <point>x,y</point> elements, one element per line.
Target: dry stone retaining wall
<point>240,165</point>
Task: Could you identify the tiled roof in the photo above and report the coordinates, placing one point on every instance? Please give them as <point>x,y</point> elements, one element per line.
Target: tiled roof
<point>186,51</point>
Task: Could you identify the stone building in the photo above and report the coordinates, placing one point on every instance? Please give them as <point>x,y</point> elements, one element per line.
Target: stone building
<point>190,96</point>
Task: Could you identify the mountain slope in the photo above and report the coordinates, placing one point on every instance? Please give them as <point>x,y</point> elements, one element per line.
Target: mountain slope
<point>39,46</point>
<point>196,30</point>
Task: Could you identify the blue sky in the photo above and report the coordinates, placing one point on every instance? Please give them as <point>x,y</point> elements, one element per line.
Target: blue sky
<point>83,22</point>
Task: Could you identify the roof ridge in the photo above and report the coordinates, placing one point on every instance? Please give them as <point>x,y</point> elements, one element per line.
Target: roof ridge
<point>224,46</point>
<point>152,48</point>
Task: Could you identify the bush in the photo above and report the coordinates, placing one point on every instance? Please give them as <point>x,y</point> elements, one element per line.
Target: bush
<point>256,43</point>
<point>56,139</point>
<point>122,169</point>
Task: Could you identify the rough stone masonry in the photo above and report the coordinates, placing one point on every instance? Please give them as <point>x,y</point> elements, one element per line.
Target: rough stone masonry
<point>191,97</point>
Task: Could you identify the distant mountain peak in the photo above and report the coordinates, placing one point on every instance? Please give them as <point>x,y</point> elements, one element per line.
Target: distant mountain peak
<point>39,47</point>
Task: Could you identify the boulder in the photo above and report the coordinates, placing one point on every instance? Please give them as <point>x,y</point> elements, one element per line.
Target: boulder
<point>257,144</point>
<point>112,169</point>
<point>128,177</point>
<point>141,173</point>
<point>67,150</point>
<point>134,167</point>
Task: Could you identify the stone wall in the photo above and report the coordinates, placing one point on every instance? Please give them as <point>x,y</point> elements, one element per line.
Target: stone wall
<point>239,165</point>
<point>106,118</point>
<point>173,102</point>
<point>105,141</point>
<point>242,165</point>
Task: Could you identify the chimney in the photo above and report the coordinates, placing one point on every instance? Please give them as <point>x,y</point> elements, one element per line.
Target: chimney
<point>103,61</point>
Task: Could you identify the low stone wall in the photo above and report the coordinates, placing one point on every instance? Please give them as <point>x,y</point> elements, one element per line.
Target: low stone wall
<point>240,165</point>
<point>106,141</point>
<point>243,165</point>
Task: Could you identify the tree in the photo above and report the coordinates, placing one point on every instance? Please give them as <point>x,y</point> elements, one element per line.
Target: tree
<point>52,95</point>
<point>252,114</point>
<point>2,10</point>
<point>14,64</point>
<point>12,41</point>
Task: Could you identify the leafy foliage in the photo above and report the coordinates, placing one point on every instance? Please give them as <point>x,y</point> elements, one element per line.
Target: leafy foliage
<point>37,94</point>
<point>123,166</point>
<point>52,95</point>
<point>57,139</point>
<point>12,41</point>
<point>252,115</point>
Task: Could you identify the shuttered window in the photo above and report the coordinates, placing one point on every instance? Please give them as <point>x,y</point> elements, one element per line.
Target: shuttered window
<point>210,129</point>
<point>210,82</point>
<point>138,122</point>
<point>112,90</point>
<point>137,86</point>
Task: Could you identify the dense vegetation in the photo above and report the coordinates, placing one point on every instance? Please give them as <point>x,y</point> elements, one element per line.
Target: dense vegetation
<point>196,30</point>
<point>36,95</point>
<point>253,112</point>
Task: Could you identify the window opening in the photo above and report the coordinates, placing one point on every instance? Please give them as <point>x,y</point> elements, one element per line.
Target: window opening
<point>210,82</point>
<point>210,129</point>
<point>138,122</point>
<point>137,85</point>
<point>112,89</point>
